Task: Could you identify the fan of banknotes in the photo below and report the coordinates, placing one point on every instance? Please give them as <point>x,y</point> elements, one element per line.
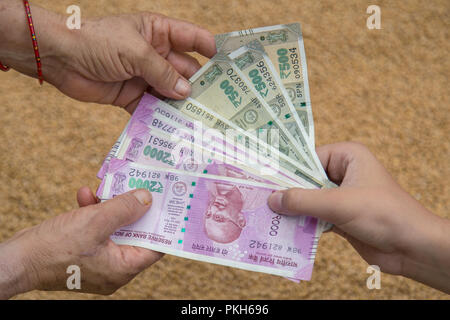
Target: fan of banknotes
<point>211,161</point>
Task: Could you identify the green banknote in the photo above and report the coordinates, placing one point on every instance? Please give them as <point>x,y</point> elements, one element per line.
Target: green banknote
<point>248,141</point>
<point>222,87</point>
<point>230,101</point>
<point>284,46</point>
<point>253,61</point>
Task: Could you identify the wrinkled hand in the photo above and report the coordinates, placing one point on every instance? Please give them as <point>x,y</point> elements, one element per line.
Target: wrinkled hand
<point>113,60</point>
<point>110,60</point>
<point>38,257</point>
<point>387,226</point>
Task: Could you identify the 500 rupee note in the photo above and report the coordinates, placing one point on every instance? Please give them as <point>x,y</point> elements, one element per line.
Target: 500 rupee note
<point>285,48</point>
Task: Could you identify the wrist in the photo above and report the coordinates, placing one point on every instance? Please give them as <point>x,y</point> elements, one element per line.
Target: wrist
<point>428,259</point>
<point>17,48</point>
<point>14,269</point>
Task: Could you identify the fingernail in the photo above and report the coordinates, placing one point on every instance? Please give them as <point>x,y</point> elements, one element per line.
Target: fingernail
<point>143,196</point>
<point>183,87</point>
<point>275,201</point>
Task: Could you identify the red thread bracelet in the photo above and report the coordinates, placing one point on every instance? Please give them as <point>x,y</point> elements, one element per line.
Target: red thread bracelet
<point>35,44</point>
<point>34,40</point>
<point>3,67</point>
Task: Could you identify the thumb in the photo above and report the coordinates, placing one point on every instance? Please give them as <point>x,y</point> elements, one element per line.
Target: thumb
<point>331,205</point>
<point>161,75</point>
<point>120,211</point>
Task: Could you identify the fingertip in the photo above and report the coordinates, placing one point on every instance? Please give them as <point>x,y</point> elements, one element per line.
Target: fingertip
<point>180,91</point>
<point>85,197</point>
<point>290,202</point>
<point>210,47</point>
<point>183,88</point>
<point>144,196</point>
<point>122,210</point>
<point>275,201</point>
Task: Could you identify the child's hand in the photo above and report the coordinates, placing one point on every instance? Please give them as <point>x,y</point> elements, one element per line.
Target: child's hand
<point>387,226</point>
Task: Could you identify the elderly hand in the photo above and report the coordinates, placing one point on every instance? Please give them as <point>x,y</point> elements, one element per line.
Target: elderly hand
<point>111,60</point>
<point>38,257</point>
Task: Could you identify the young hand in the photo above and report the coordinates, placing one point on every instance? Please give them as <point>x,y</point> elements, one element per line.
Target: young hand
<point>387,226</point>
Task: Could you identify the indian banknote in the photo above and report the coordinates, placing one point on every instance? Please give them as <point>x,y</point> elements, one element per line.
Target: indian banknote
<point>222,98</point>
<point>254,62</point>
<point>214,208</point>
<point>149,138</point>
<point>159,115</point>
<point>256,65</point>
<point>215,219</point>
<point>112,153</point>
<point>222,87</point>
<point>155,148</point>
<point>285,48</point>
<point>164,122</point>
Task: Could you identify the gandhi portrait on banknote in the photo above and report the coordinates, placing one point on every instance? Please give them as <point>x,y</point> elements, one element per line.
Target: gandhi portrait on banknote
<point>223,218</point>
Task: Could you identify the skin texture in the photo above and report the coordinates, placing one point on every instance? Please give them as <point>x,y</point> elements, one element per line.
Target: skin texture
<point>112,60</point>
<point>42,254</point>
<point>385,224</point>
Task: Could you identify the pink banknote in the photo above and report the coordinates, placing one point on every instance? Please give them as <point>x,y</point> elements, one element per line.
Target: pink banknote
<point>152,115</point>
<point>151,147</point>
<point>160,116</point>
<point>221,220</point>
<point>112,153</point>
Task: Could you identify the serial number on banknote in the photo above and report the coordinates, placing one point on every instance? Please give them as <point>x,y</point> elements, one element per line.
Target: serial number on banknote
<point>151,175</point>
<point>199,111</point>
<point>254,244</point>
<point>144,174</point>
<point>257,79</point>
<point>229,89</point>
<point>161,142</point>
<point>284,66</point>
<point>156,123</point>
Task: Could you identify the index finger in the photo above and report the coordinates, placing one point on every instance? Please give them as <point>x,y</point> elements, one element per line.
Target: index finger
<point>334,159</point>
<point>188,37</point>
<point>350,160</point>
